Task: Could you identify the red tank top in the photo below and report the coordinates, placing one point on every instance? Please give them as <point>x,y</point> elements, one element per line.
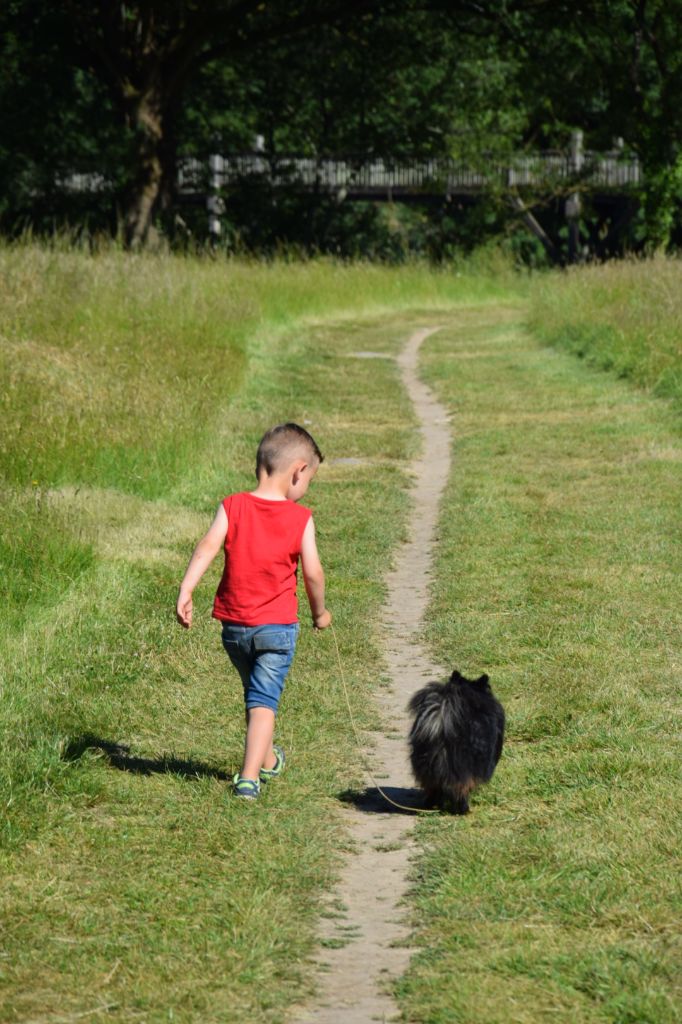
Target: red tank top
<point>262,549</point>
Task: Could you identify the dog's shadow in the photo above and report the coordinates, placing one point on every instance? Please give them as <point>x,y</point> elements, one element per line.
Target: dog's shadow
<point>119,756</point>
<point>385,800</point>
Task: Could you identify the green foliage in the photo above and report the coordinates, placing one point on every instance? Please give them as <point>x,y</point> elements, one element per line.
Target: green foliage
<point>662,201</point>
<point>129,88</point>
<point>57,119</point>
<point>369,89</point>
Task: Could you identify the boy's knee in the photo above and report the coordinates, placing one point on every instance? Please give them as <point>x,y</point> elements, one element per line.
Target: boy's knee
<point>261,707</point>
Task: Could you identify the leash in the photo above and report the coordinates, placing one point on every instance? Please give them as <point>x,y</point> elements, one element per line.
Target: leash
<point>360,746</point>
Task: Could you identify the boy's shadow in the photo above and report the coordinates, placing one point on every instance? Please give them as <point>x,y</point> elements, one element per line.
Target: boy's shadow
<point>387,800</point>
<point>119,756</point>
<point>370,800</point>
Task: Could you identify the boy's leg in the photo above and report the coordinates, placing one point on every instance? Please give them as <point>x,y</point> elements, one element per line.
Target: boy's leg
<point>258,752</point>
<point>273,652</point>
<point>270,757</point>
<point>237,643</point>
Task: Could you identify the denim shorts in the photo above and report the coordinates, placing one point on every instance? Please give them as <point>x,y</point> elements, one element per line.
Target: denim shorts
<point>262,655</point>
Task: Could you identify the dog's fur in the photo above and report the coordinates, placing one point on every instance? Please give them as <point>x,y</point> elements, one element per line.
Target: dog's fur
<point>455,740</point>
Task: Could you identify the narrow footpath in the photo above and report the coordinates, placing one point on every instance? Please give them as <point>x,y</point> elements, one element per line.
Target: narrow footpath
<point>366,948</point>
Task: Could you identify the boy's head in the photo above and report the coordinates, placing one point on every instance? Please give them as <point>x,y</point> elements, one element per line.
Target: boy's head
<point>282,446</point>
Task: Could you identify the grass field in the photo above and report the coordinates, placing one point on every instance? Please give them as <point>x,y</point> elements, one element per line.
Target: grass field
<point>559,574</point>
<point>134,391</point>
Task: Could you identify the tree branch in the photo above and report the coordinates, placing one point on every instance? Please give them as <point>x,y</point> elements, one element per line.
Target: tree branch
<point>330,13</point>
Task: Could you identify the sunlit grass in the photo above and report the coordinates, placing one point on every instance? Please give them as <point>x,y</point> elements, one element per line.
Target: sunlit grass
<point>116,878</point>
<point>116,370</point>
<point>134,390</point>
<point>558,572</point>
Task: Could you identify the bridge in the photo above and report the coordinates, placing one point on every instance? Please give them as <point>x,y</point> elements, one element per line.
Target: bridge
<point>611,177</point>
<point>381,179</point>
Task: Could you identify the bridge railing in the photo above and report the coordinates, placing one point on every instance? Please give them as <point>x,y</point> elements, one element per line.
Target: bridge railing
<point>379,177</point>
<point>604,170</point>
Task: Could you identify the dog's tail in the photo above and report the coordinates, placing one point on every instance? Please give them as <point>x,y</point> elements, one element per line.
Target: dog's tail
<point>438,712</point>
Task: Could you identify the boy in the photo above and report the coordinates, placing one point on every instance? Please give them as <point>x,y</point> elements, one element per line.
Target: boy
<point>263,533</point>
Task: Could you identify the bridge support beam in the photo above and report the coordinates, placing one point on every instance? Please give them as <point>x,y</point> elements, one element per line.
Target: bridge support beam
<point>573,205</point>
<point>215,206</point>
<point>535,227</point>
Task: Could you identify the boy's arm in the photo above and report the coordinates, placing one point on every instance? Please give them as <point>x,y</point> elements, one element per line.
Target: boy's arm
<point>204,553</point>
<point>313,577</point>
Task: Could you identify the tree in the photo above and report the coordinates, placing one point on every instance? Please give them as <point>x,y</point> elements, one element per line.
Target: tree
<point>395,84</point>
<point>145,52</point>
<point>120,88</point>
<point>54,117</point>
<point>642,41</point>
<point>614,69</point>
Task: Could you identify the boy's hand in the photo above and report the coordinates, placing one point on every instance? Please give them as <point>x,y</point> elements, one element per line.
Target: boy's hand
<point>183,610</point>
<point>323,620</point>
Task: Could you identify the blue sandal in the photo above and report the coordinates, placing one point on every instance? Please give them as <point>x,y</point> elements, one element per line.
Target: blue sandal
<point>277,769</point>
<point>248,789</point>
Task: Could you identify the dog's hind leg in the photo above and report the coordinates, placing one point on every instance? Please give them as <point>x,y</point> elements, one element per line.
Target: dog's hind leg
<point>432,798</point>
<point>459,796</point>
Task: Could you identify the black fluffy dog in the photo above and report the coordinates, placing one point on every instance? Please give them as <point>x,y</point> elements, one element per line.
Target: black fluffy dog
<point>455,740</point>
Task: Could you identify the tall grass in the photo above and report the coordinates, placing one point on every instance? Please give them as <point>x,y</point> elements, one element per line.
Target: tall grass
<point>114,365</point>
<point>622,316</point>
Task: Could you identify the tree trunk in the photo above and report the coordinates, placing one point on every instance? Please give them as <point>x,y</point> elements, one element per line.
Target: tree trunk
<point>168,154</point>
<point>146,115</point>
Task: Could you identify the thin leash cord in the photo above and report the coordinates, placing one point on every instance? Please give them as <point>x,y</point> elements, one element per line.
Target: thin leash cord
<point>363,756</point>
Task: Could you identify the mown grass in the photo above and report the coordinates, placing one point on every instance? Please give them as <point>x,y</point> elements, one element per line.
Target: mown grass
<point>624,317</point>
<point>134,391</point>
<point>558,572</point>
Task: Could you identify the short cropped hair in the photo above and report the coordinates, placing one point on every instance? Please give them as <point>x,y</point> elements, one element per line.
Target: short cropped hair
<point>281,445</point>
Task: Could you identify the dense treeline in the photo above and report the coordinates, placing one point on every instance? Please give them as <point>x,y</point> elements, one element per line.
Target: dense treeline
<point>123,90</point>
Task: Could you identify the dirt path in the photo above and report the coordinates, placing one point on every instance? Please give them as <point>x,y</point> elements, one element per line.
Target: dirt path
<point>365,949</point>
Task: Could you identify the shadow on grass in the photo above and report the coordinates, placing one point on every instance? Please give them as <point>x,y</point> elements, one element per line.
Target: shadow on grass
<point>119,756</point>
<point>378,801</point>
